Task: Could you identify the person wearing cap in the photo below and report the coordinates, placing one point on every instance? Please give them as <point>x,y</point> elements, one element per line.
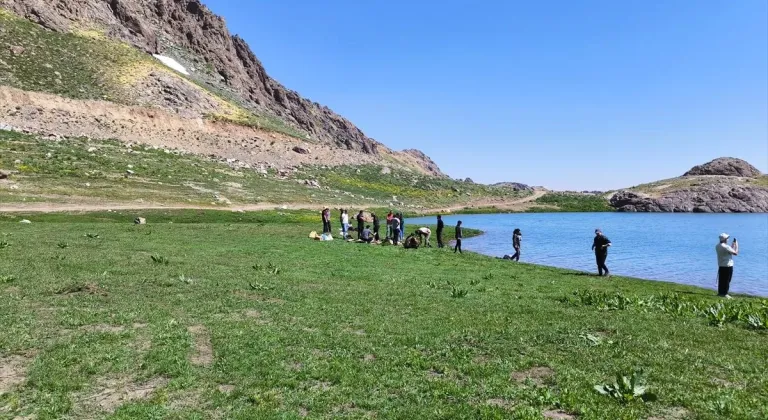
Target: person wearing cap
<point>725,255</point>
<point>600,246</point>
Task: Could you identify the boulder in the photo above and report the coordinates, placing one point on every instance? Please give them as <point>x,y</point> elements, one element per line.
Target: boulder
<point>300,150</point>
<point>140,221</point>
<point>4,175</point>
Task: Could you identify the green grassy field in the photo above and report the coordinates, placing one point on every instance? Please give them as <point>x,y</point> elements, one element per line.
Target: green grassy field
<point>224,315</point>
<point>574,202</point>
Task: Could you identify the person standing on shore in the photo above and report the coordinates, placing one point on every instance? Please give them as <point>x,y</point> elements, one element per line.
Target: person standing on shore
<point>389,224</point>
<point>395,230</point>
<point>459,235</point>
<point>725,255</point>
<point>360,224</point>
<point>600,246</point>
<point>517,238</point>
<point>376,227</point>
<point>440,227</point>
<point>344,224</point>
<point>326,214</point>
<point>402,225</point>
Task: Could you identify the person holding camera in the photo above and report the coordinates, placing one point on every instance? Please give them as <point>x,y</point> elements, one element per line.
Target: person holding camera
<point>725,255</point>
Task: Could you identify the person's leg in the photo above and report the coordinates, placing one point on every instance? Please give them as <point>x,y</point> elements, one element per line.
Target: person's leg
<point>395,235</point>
<point>458,246</point>
<point>516,257</point>
<point>730,277</point>
<point>605,267</point>
<point>722,274</point>
<point>599,264</point>
<point>439,239</point>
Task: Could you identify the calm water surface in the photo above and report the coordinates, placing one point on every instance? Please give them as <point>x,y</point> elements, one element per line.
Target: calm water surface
<point>676,247</point>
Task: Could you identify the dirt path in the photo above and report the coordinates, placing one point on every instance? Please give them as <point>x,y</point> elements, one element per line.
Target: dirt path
<point>56,207</point>
<point>520,204</point>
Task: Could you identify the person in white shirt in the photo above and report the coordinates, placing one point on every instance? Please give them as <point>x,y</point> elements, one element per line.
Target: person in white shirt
<point>725,255</point>
<point>344,223</point>
<point>424,234</point>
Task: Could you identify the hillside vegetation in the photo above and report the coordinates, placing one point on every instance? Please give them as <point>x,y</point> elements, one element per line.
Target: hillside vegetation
<point>79,170</point>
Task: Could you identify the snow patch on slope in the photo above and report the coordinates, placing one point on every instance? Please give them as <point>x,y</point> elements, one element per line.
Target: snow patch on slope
<point>170,62</point>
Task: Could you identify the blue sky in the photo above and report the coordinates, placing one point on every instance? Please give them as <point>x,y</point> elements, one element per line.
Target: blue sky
<point>566,94</point>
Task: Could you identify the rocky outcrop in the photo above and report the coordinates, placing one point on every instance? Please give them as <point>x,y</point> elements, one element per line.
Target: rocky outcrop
<point>516,186</point>
<point>725,166</point>
<point>713,198</point>
<point>424,161</point>
<point>169,26</point>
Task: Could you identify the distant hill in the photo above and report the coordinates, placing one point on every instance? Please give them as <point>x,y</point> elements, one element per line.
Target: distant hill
<point>724,185</point>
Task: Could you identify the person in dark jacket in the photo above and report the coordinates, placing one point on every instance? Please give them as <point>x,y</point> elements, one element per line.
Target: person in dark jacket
<point>376,227</point>
<point>440,227</point>
<point>600,246</point>
<point>517,238</point>
<point>326,220</point>
<point>459,235</point>
<point>360,224</point>
<point>402,225</point>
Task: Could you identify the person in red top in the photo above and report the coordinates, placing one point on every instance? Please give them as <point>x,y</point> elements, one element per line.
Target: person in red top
<point>389,224</point>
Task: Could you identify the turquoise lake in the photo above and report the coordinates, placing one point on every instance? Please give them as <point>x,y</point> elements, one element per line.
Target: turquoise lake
<point>675,247</point>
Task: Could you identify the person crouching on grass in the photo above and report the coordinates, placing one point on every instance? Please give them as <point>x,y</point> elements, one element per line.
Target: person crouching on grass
<point>725,255</point>
<point>424,234</point>
<point>366,235</point>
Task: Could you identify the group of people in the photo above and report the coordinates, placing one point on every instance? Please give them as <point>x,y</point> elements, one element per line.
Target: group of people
<point>395,229</point>
<point>396,233</point>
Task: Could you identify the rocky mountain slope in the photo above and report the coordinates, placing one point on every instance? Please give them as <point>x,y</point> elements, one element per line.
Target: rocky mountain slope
<point>724,185</point>
<point>83,55</point>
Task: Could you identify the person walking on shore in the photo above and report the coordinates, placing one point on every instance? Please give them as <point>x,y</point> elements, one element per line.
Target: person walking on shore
<point>600,246</point>
<point>517,238</point>
<point>344,224</point>
<point>440,226</point>
<point>725,255</point>
<point>360,224</point>
<point>389,224</point>
<point>459,235</point>
<point>395,230</point>
<point>376,227</point>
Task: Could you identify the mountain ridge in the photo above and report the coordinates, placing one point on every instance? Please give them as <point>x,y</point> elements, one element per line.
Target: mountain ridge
<point>188,32</point>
